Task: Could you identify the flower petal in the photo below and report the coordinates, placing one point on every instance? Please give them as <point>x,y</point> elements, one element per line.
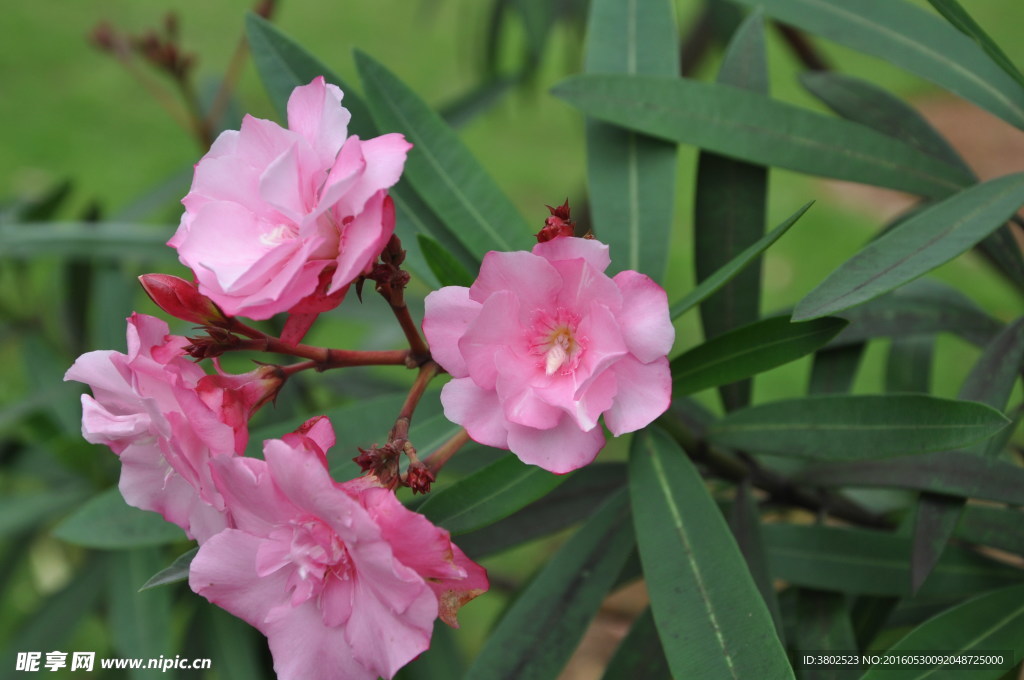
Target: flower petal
<point>561,449</point>
<point>477,410</point>
<point>644,317</point>
<point>447,314</point>
<point>570,248</point>
<point>644,392</point>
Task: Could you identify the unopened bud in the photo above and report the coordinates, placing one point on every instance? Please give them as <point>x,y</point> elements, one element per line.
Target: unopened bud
<point>558,225</point>
<point>182,300</point>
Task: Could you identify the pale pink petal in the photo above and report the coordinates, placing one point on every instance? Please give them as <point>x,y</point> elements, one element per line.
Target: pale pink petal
<point>644,318</point>
<point>316,113</point>
<point>282,186</point>
<point>601,336</point>
<point>582,284</point>
<point>344,174</point>
<point>261,141</point>
<point>214,226</point>
<point>477,410</point>
<point>100,426</point>
<point>519,387</point>
<point>561,449</point>
<point>249,491</point>
<point>533,280</point>
<point>224,572</point>
<point>305,649</point>
<point>644,392</point>
<point>447,314</point>
<point>495,327</point>
<point>363,239</point>
<point>317,430</point>
<point>570,248</point>
<point>384,158</point>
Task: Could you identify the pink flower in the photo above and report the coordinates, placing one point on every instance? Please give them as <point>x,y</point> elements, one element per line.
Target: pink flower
<point>544,343</point>
<point>166,418</point>
<point>343,580</point>
<point>278,218</point>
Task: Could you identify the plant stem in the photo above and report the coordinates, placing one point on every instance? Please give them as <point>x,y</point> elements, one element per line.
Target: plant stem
<point>400,432</point>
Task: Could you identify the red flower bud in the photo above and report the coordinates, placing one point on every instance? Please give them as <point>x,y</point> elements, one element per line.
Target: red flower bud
<point>181,299</point>
<point>558,225</point>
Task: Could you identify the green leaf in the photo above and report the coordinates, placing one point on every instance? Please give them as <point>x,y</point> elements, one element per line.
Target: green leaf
<point>140,623</point>
<point>175,572</point>
<point>640,654</point>
<point>541,629</point>
<point>85,239</point>
<point>953,473</point>
<point>988,623</point>
<point>963,22</point>
<point>19,512</point>
<point>873,563</point>
<point>567,505</point>
<point>748,351</point>
<point>745,524</point>
<point>489,495</point>
<point>106,521</point>
<point>911,38</point>
<point>843,427</point>
<point>752,127</point>
<point>235,647</point>
<point>448,270</point>
<point>995,527</point>
<point>920,307</point>
<point>440,167</point>
<point>710,616</point>
<point>631,177</point>
<point>908,368</point>
<point>823,626</point>
<point>729,209</point>
<point>726,272</point>
<point>834,369</point>
<point>915,247</point>
<point>989,382</point>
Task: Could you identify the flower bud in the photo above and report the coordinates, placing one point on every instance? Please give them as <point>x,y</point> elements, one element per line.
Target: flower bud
<point>181,299</point>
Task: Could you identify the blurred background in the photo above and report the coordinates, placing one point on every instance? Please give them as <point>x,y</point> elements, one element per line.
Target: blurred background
<point>87,136</point>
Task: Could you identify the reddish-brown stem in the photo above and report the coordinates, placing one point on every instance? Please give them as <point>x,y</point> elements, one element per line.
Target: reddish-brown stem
<point>438,458</point>
<point>400,432</point>
<point>323,358</point>
<point>417,345</point>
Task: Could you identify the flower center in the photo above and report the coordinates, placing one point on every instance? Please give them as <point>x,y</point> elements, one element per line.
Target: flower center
<point>278,235</point>
<point>313,550</point>
<point>561,349</point>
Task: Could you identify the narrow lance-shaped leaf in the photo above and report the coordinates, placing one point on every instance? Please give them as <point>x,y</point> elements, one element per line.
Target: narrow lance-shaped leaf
<point>140,623</point>
<point>106,521</point>
<point>745,523</point>
<point>920,307</point>
<point>711,619</point>
<point>175,572</point>
<point>630,176</point>
<point>843,427</point>
<point>959,18</point>
<point>834,369</point>
<point>440,167</point>
<point>823,626</point>
<point>989,624</point>
<point>952,473</point>
<point>917,246</point>
<point>640,654</point>
<point>755,128</point>
<point>989,382</point>
<point>489,495</point>
<point>729,209</point>
<point>908,368</point>
<point>992,526</point>
<point>537,635</point>
<point>748,351</point>
<point>913,39</point>
<point>448,270</point>
<point>726,272</point>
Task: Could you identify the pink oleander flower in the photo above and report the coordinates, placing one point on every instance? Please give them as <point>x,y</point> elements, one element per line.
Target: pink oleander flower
<point>543,343</point>
<point>343,580</point>
<point>166,419</point>
<point>281,219</point>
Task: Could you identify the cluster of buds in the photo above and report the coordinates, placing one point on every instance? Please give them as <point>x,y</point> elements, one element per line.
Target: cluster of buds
<point>160,49</point>
<point>382,462</point>
<point>557,225</point>
<point>388,275</point>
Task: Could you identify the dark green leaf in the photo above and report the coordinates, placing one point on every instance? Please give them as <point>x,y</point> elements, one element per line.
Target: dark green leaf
<point>729,270</point>
<point>834,369</point>
<point>823,627</point>
<point>640,654</point>
<point>909,365</point>
<point>631,177</point>
<point>745,523</point>
<point>568,504</point>
<point>991,526</point>
<point>908,37</point>
<point>989,382</point>
<point>748,126</point>
<point>440,167</point>
<point>25,511</point>
<point>106,521</point>
<point>448,270</point>
<point>539,632</point>
<point>729,209</point>
<point>955,14</point>
<point>993,622</point>
<point>748,351</point>
<point>140,623</point>
<point>919,307</point>
<point>948,472</point>
<point>173,573</point>
<point>84,239</point>
<point>842,427</point>
<point>710,617</point>
<point>916,246</point>
<point>872,562</point>
<point>235,647</point>
<point>489,495</point>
